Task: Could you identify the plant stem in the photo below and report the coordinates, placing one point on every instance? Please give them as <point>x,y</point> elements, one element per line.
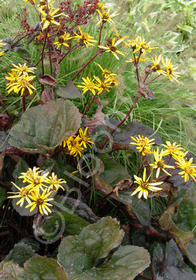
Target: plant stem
<point>95,55</point>
<point>101,28</point>
<point>23,102</point>
<point>94,97</point>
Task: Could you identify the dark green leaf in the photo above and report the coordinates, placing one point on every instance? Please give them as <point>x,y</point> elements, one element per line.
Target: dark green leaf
<point>20,253</point>
<point>44,268</point>
<point>44,127</point>
<point>21,52</point>
<point>70,223</point>
<point>69,91</point>
<point>94,242</point>
<point>142,211</point>
<point>123,135</point>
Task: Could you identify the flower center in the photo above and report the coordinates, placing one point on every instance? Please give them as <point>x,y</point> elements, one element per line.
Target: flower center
<point>144,185</point>
<point>39,201</point>
<point>113,48</point>
<point>49,18</point>
<point>160,164</point>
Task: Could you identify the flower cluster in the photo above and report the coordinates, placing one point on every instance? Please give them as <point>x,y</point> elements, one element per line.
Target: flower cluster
<point>77,143</point>
<point>19,80</point>
<point>96,85</point>
<point>161,164</point>
<point>38,190</point>
<point>159,64</point>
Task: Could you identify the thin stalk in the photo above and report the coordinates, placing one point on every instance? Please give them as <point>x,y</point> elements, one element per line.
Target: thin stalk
<point>101,28</point>
<point>95,55</point>
<point>23,102</point>
<point>94,97</point>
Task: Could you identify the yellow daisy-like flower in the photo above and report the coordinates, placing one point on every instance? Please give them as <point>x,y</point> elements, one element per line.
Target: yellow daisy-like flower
<point>159,163</point>
<point>22,193</point>
<point>111,46</point>
<point>54,182</point>
<point>40,201</point>
<point>73,145</point>
<point>22,69</point>
<point>105,16</point>
<point>170,70</point>
<point>63,41</point>
<point>102,85</point>
<point>156,67</point>
<point>143,144</point>
<point>101,6</point>
<point>188,169</point>
<point>31,1</point>
<point>43,4</point>
<point>84,38</point>
<point>34,178</point>
<point>145,186</point>
<point>49,17</point>
<point>83,138</point>
<point>88,85</point>
<point>109,76</point>
<point>142,45</point>
<point>173,149</point>
<point>13,77</point>
<point>76,149</point>
<point>23,84</point>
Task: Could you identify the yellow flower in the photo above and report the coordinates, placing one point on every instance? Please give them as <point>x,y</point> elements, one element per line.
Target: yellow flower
<point>101,6</point>
<point>84,38</point>
<point>2,53</point>
<point>31,1</point>
<point>49,17</point>
<point>88,85</point>
<point>40,201</point>
<point>132,44</point>
<point>23,84</point>
<point>170,70</point>
<point>173,149</point>
<point>33,177</point>
<point>142,45</point>
<point>143,144</point>
<point>43,4</point>
<point>23,193</point>
<point>145,186</point>
<point>188,169</point>
<point>111,46</point>
<point>102,85</point>
<point>109,76</point>
<point>135,59</point>
<point>105,16</point>
<point>157,64</point>
<point>63,41</point>
<point>159,163</point>
<point>83,138</point>
<point>73,146</point>
<point>22,69</point>
<point>76,149</point>
<point>12,78</point>
<point>54,182</point>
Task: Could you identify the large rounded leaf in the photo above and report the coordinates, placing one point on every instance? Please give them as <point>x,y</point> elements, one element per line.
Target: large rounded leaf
<point>11,271</point>
<point>82,251</point>
<point>43,268</point>
<point>44,127</point>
